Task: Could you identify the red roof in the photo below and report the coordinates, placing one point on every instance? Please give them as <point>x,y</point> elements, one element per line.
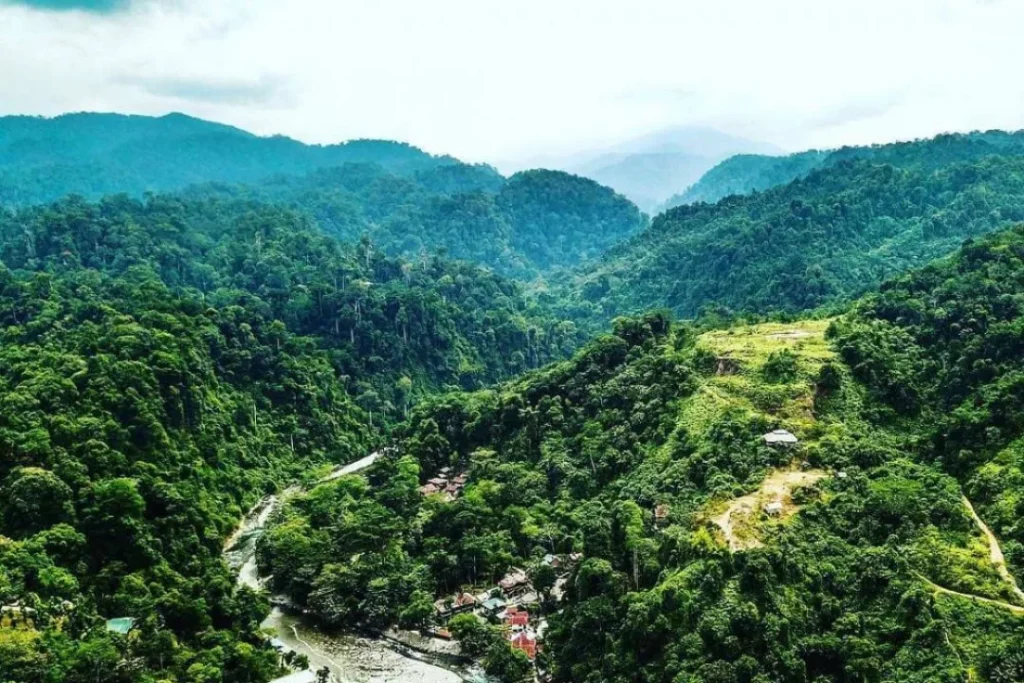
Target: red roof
<point>519,619</point>
<point>525,642</point>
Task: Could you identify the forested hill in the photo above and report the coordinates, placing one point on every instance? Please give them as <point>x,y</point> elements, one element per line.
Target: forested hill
<point>830,236</point>
<point>436,321</point>
<point>706,553</point>
<point>42,159</point>
<point>524,226</point>
<point>943,350</point>
<point>166,362</point>
<point>746,173</point>
<point>405,200</point>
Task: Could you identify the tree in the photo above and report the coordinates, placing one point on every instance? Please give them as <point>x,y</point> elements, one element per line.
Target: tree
<point>33,499</point>
<point>506,663</point>
<point>473,635</point>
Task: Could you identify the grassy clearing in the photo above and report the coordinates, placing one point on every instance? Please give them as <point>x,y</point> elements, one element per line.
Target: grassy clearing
<point>739,383</point>
<point>743,516</point>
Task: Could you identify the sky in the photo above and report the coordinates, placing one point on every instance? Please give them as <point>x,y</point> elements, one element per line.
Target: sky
<point>490,81</point>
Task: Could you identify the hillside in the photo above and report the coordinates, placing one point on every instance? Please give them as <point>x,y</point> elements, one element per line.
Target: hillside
<point>825,238</point>
<point>746,173</point>
<point>42,159</point>
<point>408,202</point>
<point>706,554</point>
<point>940,349</point>
<point>524,226</point>
<point>167,362</point>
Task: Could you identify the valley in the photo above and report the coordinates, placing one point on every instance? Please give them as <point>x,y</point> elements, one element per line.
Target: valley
<point>772,435</point>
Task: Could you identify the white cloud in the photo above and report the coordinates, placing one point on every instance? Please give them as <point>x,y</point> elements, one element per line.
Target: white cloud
<point>488,80</point>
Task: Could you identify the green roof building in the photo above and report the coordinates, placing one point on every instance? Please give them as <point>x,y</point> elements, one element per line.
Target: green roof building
<point>120,625</point>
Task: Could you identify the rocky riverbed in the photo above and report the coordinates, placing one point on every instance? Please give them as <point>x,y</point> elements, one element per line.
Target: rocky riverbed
<point>349,657</point>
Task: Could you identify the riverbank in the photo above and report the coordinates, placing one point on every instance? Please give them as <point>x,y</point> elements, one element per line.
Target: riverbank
<point>393,657</point>
<point>360,658</point>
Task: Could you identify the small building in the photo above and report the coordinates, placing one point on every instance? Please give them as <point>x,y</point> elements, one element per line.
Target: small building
<point>120,625</point>
<point>460,602</point>
<point>440,632</point>
<point>780,437</point>
<point>493,605</point>
<point>773,509</point>
<point>530,597</point>
<point>428,489</point>
<point>524,641</point>
<point>16,616</point>
<point>515,617</point>
<point>439,482</point>
<point>515,581</point>
<point>553,561</point>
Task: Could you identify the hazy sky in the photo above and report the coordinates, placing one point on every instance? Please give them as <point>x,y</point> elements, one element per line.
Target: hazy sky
<point>493,80</point>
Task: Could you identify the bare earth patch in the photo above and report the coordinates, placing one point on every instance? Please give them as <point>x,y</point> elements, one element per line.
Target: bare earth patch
<point>740,519</point>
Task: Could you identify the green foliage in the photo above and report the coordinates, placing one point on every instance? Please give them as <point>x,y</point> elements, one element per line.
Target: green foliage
<point>531,223</point>
<point>43,159</point>
<point>746,173</point>
<point>828,237</point>
<point>165,363</point>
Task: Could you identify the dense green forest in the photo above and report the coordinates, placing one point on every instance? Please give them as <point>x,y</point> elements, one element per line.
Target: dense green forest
<point>43,159</point>
<point>942,350</point>
<point>825,238</point>
<point>872,570</point>
<point>746,173</point>
<point>165,363</point>
<point>523,226</point>
<point>170,358</point>
<point>408,202</point>
<point>139,423</point>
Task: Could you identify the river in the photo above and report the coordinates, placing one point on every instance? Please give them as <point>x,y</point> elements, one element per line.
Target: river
<point>350,658</point>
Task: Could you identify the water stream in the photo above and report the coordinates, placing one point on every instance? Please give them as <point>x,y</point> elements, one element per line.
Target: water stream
<point>349,657</point>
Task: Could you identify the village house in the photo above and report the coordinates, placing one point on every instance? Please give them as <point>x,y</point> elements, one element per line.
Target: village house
<point>515,618</point>
<point>460,602</point>
<point>780,437</point>
<point>773,509</point>
<point>440,632</point>
<point>16,616</point>
<point>120,625</point>
<point>449,488</point>
<point>524,641</point>
<point>493,605</point>
<point>515,582</point>
<point>530,597</point>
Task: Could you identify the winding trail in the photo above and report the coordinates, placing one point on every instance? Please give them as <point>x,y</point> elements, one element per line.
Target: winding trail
<point>995,553</point>
<point>1017,609</point>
